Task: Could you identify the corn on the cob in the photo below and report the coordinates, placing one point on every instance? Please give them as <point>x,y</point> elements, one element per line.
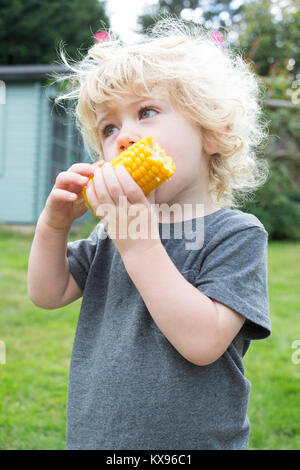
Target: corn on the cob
<point>147,163</point>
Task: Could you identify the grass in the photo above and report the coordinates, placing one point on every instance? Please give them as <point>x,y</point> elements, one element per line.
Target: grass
<point>275,377</point>
<point>38,345</point>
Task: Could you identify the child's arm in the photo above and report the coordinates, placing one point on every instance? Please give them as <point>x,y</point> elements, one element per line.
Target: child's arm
<point>199,328</point>
<point>50,284</point>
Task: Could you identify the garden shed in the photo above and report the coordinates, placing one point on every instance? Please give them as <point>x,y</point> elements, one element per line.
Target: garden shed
<point>38,139</point>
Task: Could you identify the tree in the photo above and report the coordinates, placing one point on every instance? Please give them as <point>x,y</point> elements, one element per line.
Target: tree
<point>31,30</point>
<point>154,12</point>
<point>270,36</point>
<point>216,13</point>
<point>270,32</point>
<point>221,13</point>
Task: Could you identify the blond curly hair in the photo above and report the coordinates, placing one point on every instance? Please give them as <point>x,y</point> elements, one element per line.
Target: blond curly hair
<point>207,82</point>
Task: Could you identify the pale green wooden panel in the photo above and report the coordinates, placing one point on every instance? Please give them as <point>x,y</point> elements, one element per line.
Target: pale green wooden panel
<point>35,144</point>
<point>19,122</point>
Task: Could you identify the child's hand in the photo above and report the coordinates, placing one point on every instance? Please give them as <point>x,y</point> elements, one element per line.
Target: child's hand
<point>60,209</point>
<point>127,214</point>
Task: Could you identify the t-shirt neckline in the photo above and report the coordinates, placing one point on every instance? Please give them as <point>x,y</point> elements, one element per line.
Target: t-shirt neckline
<point>195,218</point>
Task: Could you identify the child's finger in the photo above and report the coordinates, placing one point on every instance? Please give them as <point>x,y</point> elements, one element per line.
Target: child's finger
<point>61,195</point>
<point>67,178</point>
<point>92,198</point>
<point>132,190</point>
<point>110,178</point>
<point>95,165</point>
<point>101,188</point>
<point>85,169</point>
<point>98,164</point>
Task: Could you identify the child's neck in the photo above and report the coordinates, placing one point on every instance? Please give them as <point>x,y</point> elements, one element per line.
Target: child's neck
<point>180,210</point>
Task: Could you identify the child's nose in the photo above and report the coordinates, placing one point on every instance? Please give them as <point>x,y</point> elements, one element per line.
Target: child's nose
<point>124,141</point>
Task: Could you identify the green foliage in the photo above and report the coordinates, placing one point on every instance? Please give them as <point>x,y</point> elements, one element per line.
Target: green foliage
<point>31,30</point>
<point>270,40</point>
<point>277,203</point>
<point>267,31</point>
<point>209,13</point>
<point>163,8</point>
<point>285,126</point>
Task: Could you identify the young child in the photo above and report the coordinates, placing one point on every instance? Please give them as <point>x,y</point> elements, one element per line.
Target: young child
<point>157,356</point>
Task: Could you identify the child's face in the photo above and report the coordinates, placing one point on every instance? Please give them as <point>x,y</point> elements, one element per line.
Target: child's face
<point>132,118</point>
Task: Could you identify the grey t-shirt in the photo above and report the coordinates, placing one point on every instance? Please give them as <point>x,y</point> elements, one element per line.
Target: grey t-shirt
<point>129,388</point>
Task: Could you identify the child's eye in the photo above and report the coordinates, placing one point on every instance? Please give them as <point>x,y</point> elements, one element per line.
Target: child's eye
<point>106,130</point>
<point>145,113</point>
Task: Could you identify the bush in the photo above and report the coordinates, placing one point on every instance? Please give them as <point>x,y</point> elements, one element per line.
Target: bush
<point>277,203</point>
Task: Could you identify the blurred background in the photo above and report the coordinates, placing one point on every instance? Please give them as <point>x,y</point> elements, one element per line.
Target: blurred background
<point>39,139</point>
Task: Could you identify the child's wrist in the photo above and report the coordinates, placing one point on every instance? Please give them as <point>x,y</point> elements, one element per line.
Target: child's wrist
<point>142,249</point>
<point>44,223</point>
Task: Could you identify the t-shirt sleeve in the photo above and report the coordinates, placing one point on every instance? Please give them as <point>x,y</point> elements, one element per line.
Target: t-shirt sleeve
<point>234,272</point>
<point>80,254</point>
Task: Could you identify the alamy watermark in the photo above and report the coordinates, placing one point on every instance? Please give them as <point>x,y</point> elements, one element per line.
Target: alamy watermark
<point>2,353</point>
<point>136,221</point>
<point>295,94</point>
<point>2,92</point>
<point>296,354</point>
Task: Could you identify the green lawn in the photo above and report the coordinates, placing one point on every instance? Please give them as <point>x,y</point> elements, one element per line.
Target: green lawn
<point>38,347</point>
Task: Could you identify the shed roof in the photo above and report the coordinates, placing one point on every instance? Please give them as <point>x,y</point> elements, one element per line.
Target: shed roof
<point>29,72</point>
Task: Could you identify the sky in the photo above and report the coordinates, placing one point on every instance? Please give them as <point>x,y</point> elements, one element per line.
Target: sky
<point>123,15</point>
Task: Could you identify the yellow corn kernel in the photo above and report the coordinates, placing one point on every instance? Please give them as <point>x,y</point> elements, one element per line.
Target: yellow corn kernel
<point>147,162</point>
<point>142,156</point>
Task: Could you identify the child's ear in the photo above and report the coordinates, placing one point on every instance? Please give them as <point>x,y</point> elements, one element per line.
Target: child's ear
<point>210,144</point>
<point>209,148</point>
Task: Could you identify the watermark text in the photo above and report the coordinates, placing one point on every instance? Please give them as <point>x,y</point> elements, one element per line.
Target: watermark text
<point>2,353</point>
<point>2,92</point>
<point>296,354</point>
<point>137,221</point>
